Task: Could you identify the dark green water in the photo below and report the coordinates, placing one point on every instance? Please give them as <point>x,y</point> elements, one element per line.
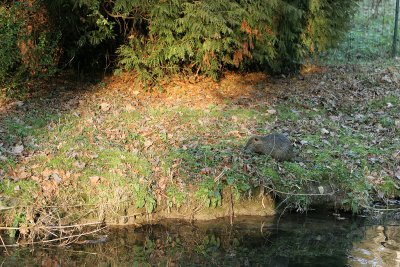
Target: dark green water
<point>291,240</point>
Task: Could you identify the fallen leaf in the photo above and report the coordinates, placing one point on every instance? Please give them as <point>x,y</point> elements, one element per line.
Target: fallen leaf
<point>19,103</point>
<point>321,189</point>
<point>46,173</point>
<point>129,108</point>
<point>94,180</point>
<point>105,106</point>
<point>397,174</point>
<point>23,175</point>
<point>326,142</point>
<point>387,79</point>
<point>56,178</point>
<point>205,171</point>
<point>148,143</point>
<point>48,187</point>
<point>79,165</point>
<point>17,150</point>
<point>303,142</point>
<point>324,131</point>
<point>162,183</point>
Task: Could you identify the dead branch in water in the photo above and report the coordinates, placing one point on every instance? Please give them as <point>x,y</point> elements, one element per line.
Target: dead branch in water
<point>66,233</point>
<point>51,227</point>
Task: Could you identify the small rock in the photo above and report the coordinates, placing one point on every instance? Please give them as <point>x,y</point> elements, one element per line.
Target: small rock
<point>17,188</point>
<point>271,111</point>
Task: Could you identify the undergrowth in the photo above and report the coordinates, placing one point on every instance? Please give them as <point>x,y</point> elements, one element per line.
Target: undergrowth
<point>370,36</point>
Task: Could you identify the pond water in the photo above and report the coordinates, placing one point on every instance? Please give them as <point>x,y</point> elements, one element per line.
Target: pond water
<point>289,240</point>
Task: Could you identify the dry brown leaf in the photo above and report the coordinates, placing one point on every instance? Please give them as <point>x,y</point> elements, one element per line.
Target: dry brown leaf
<point>206,171</point>
<point>94,180</point>
<point>46,173</point>
<point>148,143</point>
<point>105,106</point>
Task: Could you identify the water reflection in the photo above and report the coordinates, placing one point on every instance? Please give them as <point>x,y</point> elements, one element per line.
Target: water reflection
<point>292,240</point>
<point>379,247</point>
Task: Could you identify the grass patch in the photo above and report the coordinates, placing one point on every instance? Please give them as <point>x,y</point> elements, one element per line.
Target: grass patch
<point>21,192</point>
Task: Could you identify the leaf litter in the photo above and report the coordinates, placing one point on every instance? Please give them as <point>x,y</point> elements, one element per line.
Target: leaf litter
<point>319,111</point>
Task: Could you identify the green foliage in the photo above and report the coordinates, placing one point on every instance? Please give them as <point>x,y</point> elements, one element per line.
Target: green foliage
<point>143,197</point>
<point>18,219</point>
<point>45,54</point>
<point>389,188</point>
<point>370,36</point>
<point>29,46</point>
<point>10,27</point>
<point>157,38</point>
<point>210,192</point>
<point>175,196</point>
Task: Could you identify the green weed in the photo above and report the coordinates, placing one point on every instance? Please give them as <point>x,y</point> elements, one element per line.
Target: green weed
<point>209,192</point>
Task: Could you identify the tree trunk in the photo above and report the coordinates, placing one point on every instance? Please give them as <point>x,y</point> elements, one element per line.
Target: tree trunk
<point>396,25</point>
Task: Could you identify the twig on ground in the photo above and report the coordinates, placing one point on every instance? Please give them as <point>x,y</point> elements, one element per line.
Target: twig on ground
<point>4,245</point>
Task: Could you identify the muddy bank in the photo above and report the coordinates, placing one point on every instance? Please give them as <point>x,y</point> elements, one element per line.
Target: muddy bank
<point>258,205</point>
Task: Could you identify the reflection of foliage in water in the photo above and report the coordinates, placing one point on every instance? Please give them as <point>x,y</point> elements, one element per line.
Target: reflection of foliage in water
<point>296,240</point>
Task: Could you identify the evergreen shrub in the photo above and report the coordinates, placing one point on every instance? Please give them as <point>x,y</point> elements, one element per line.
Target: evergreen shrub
<point>210,36</point>
<point>162,37</point>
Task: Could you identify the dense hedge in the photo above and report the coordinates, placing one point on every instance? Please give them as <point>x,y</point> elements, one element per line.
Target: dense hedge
<point>159,37</point>
<point>29,45</point>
